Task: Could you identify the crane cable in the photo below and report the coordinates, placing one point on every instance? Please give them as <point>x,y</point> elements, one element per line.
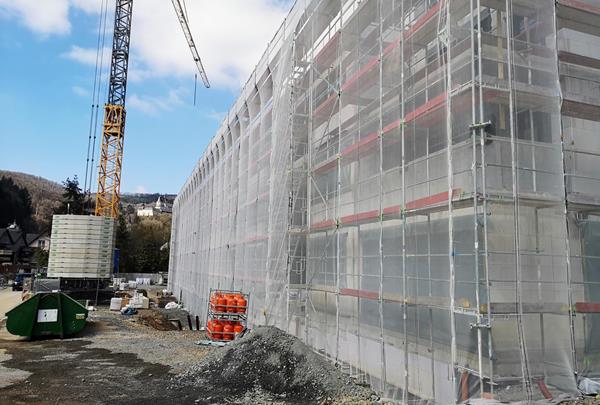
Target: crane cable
<point>100,71</point>
<point>98,74</point>
<point>87,162</point>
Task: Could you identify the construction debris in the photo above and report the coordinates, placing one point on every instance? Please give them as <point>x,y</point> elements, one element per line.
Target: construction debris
<point>205,342</point>
<point>269,364</point>
<point>128,311</point>
<point>588,386</point>
<point>172,305</point>
<point>156,320</point>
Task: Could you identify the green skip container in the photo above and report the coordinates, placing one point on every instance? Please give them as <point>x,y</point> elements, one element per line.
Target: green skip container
<point>47,314</point>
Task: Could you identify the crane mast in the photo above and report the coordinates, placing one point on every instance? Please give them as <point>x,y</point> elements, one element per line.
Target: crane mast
<point>108,195</point>
<point>113,131</point>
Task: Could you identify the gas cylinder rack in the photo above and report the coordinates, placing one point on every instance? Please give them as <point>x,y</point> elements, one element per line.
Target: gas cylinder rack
<point>227,314</point>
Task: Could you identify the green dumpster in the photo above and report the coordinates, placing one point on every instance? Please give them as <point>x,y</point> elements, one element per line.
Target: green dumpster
<point>47,314</point>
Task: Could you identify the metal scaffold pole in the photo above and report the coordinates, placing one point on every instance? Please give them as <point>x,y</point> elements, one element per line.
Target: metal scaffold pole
<point>484,196</point>
<point>444,44</point>
<point>525,376</point>
<point>402,102</point>
<point>337,214</point>
<point>476,196</point>
<point>380,205</point>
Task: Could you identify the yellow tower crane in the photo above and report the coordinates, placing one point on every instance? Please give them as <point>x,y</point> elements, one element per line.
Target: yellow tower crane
<point>113,132</point>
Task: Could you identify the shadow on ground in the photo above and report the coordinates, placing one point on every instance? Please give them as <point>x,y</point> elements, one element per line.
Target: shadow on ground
<point>69,372</point>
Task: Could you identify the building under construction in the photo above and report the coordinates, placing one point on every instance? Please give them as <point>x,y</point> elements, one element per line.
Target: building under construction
<point>413,188</point>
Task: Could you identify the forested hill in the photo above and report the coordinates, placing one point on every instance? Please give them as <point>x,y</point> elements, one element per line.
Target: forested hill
<point>45,194</point>
<point>38,186</point>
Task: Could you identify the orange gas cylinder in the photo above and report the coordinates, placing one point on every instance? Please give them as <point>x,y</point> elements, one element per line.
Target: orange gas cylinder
<point>237,329</point>
<point>241,305</point>
<point>231,304</point>
<point>238,298</point>
<point>209,325</point>
<point>217,331</point>
<point>227,332</point>
<point>221,302</point>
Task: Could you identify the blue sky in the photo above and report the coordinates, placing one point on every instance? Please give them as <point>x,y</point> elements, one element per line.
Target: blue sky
<point>48,53</point>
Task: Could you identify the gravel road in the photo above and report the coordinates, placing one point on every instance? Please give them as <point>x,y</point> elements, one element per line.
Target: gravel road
<point>120,360</point>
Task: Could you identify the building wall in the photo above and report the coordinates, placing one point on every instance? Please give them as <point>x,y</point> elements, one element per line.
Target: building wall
<point>579,67</point>
<point>145,212</point>
<point>390,187</point>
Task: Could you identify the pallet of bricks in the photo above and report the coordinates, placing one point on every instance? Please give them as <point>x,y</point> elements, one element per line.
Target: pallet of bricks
<point>226,319</point>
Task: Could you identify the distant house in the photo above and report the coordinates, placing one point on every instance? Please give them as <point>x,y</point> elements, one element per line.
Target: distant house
<point>41,242</point>
<point>18,247</point>
<point>160,207</point>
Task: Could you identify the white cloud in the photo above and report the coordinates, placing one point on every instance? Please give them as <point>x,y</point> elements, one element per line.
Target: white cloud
<point>141,104</point>
<point>230,35</point>
<point>87,56</point>
<point>90,6</point>
<point>140,189</point>
<point>46,17</point>
<point>218,116</point>
<point>80,91</point>
<point>153,104</point>
<point>43,17</point>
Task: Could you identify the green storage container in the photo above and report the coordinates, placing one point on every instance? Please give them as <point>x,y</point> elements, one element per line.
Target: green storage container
<point>47,314</point>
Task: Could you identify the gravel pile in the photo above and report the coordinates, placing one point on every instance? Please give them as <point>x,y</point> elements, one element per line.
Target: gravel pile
<point>268,364</point>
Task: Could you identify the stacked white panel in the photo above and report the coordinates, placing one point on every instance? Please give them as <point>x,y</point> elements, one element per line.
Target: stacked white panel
<point>82,246</point>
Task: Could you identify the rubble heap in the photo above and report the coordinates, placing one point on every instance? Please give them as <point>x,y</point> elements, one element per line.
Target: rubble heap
<point>267,361</point>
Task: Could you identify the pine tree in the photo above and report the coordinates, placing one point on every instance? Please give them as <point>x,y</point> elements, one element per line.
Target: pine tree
<point>73,198</point>
<point>15,205</point>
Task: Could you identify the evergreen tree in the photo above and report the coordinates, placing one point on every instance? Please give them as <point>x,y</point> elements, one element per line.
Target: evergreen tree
<point>122,242</point>
<point>15,205</point>
<point>41,257</point>
<point>73,198</point>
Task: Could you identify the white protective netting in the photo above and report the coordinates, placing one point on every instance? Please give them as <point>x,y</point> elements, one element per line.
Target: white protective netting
<point>392,186</point>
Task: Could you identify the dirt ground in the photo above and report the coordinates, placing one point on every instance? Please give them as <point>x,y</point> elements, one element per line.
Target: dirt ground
<point>8,299</point>
<point>115,360</point>
<point>123,360</point>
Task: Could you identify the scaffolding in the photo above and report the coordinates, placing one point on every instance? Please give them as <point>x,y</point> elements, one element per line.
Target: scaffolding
<point>413,188</point>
